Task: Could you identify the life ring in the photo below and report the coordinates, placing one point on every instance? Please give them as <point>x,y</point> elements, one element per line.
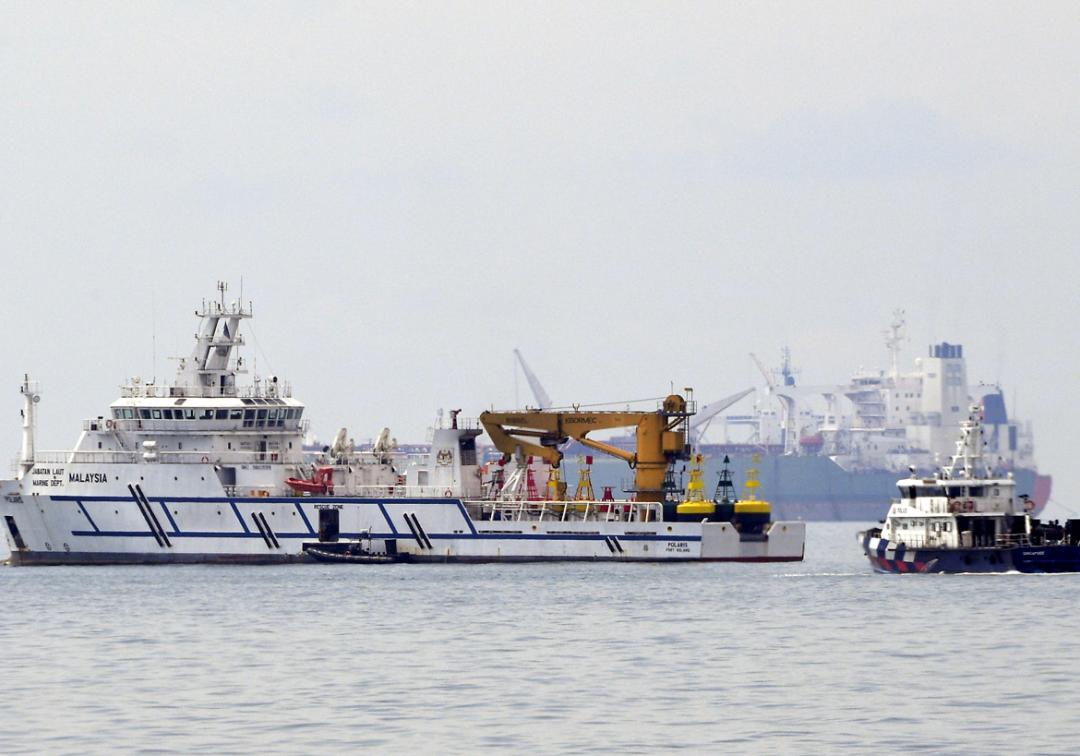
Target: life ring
<point>448,493</point>
<point>109,424</point>
<point>205,460</point>
<point>955,506</point>
<point>1029,505</point>
<point>969,506</point>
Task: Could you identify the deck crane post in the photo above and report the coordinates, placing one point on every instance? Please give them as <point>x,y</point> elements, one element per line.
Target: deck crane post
<point>661,437</point>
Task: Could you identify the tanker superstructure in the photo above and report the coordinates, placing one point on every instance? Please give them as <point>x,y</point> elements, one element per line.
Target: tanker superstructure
<point>208,470</point>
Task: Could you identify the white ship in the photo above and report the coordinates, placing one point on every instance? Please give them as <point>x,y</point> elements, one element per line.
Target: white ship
<point>208,470</point>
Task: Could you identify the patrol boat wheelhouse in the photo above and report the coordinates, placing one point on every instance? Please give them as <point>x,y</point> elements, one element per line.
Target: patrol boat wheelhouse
<point>966,519</point>
<point>208,470</point>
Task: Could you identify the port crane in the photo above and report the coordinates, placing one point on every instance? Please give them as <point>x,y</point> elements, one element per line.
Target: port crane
<point>661,437</point>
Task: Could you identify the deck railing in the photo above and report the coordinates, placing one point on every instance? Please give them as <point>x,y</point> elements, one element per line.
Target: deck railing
<point>564,511</point>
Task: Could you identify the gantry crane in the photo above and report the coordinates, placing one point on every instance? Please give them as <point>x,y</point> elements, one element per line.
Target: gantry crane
<point>661,438</point>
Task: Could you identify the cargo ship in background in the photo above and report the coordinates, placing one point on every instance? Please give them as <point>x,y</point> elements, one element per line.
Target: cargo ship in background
<point>834,452</point>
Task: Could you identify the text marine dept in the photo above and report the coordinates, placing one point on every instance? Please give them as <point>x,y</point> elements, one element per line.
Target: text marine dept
<point>207,470</point>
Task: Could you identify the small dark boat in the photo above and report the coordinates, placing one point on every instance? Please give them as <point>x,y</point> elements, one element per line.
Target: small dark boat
<point>348,552</point>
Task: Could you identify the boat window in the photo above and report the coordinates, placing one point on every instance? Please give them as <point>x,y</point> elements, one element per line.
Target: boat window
<point>903,524</point>
<point>221,414</point>
<point>299,411</point>
<point>144,414</point>
<point>261,415</point>
<point>273,414</point>
<point>189,414</point>
<point>928,491</point>
<point>977,491</point>
<point>207,414</point>
<point>167,414</point>
<point>156,414</point>
<point>117,413</point>
<point>236,414</point>
<point>128,414</point>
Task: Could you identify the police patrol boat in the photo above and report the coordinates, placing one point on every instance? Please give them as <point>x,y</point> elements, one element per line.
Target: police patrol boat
<point>967,519</point>
<point>208,470</point>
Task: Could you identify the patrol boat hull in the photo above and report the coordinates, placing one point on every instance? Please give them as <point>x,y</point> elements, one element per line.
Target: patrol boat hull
<point>897,558</point>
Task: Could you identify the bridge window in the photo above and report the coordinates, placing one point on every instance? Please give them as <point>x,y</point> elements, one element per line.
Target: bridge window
<point>128,414</point>
<point>167,414</point>
<point>221,414</point>
<point>156,414</point>
<point>236,414</point>
<point>144,414</point>
<point>207,414</point>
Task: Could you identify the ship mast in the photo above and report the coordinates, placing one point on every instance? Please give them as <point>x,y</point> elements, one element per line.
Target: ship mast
<point>894,337</point>
<point>31,397</point>
<point>208,370</point>
<point>969,448</point>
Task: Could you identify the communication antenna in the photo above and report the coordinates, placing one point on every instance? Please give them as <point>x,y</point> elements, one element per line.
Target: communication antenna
<point>894,337</point>
<point>153,335</point>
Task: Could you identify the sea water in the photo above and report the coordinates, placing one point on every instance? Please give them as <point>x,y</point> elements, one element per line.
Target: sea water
<point>821,655</point>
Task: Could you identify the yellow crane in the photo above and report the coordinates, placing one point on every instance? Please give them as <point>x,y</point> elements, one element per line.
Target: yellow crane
<point>660,437</point>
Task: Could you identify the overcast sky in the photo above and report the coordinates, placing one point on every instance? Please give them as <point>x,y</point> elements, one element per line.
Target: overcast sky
<point>634,194</point>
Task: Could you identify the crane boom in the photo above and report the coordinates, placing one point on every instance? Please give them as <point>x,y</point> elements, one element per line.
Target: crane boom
<point>543,401</point>
<point>661,437</point>
<point>702,419</point>
<point>764,371</point>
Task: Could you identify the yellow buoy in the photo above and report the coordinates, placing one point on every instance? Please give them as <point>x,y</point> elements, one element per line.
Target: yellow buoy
<point>696,508</point>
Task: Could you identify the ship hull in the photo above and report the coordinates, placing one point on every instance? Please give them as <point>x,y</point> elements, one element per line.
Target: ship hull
<point>78,530</point>
<point>897,558</point>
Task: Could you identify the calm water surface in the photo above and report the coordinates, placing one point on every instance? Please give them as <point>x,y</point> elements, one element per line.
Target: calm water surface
<point>822,656</point>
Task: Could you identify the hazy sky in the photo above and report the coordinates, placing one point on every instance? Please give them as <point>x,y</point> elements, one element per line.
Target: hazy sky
<point>632,193</point>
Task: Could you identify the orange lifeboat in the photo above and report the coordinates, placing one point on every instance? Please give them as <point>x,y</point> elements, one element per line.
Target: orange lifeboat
<point>321,481</point>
